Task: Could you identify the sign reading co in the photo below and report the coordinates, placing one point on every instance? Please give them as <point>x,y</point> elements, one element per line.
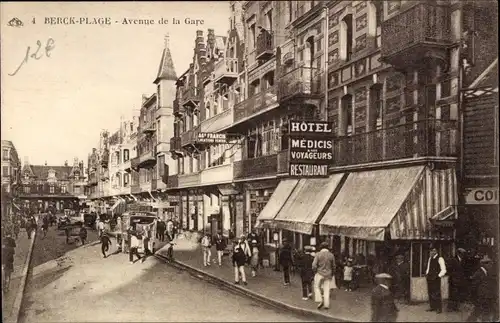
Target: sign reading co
<point>481,196</point>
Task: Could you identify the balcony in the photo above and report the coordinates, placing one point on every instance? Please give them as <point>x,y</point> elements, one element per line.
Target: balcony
<point>189,180</point>
<point>175,146</point>
<point>269,165</point>
<point>191,97</point>
<point>135,189</point>
<point>265,45</point>
<point>218,122</point>
<point>148,159</point>
<point>256,103</point>
<point>178,109</point>
<point>426,138</point>
<point>217,174</point>
<point>104,175</point>
<point>188,138</point>
<point>422,32</point>
<point>226,71</point>
<point>134,163</point>
<point>149,128</point>
<point>302,82</point>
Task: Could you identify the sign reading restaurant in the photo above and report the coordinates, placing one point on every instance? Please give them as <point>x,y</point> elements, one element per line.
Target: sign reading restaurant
<point>311,147</point>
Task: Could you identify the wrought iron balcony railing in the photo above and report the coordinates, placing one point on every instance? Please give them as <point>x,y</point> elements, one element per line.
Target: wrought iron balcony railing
<point>300,82</point>
<point>226,71</point>
<point>175,145</point>
<point>265,45</point>
<point>416,33</point>
<point>191,97</point>
<point>268,165</point>
<point>255,104</point>
<point>426,138</point>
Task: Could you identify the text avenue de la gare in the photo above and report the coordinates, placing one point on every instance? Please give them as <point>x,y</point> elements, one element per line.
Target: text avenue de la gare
<point>122,21</point>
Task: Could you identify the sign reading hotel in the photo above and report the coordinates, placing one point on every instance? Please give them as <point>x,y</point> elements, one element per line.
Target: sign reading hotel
<point>311,148</point>
<point>212,138</point>
<point>481,195</point>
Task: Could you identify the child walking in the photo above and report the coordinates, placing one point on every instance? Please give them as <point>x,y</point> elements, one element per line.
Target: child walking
<point>348,273</point>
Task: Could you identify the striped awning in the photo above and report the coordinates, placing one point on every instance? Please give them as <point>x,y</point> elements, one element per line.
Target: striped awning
<point>399,201</point>
<point>306,203</point>
<point>119,207</point>
<point>276,202</point>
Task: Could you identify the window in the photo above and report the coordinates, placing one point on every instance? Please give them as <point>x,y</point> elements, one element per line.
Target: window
<point>77,190</point>
<point>376,104</point>
<point>27,189</point>
<point>346,110</point>
<point>269,20</point>
<point>290,11</point>
<point>161,166</point>
<point>5,171</point>
<point>52,190</point>
<point>126,155</point>
<point>252,35</point>
<point>346,38</point>
<point>126,180</point>
<point>269,80</point>
<point>6,154</point>
<point>63,189</point>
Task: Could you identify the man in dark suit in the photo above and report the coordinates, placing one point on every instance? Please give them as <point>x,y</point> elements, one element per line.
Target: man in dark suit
<point>436,269</point>
<point>457,280</point>
<point>383,307</point>
<point>483,291</point>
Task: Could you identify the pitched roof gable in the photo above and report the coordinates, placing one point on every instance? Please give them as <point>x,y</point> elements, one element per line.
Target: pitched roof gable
<point>166,70</point>
<point>42,171</point>
<point>489,77</point>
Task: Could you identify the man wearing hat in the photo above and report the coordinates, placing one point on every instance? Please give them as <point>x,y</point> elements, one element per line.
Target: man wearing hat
<point>324,266</point>
<point>383,307</point>
<point>483,290</point>
<point>457,280</point>
<point>436,269</point>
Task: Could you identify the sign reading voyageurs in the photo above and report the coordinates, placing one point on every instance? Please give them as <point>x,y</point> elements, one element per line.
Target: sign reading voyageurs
<point>311,147</point>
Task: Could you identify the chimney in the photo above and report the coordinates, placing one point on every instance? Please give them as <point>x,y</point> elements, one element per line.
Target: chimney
<point>75,162</point>
<point>45,163</point>
<point>81,167</point>
<point>65,163</point>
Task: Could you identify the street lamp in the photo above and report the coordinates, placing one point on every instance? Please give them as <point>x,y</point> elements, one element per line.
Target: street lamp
<point>276,238</point>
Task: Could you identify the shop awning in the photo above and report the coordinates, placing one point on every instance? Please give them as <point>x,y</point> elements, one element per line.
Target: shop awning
<point>228,189</point>
<point>277,201</point>
<point>306,203</point>
<point>119,207</point>
<point>401,200</point>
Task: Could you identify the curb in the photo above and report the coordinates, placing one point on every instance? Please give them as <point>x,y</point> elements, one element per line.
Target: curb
<point>251,294</point>
<point>24,278</point>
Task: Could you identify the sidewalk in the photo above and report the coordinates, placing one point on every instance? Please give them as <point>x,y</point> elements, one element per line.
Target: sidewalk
<point>20,258</point>
<point>344,306</point>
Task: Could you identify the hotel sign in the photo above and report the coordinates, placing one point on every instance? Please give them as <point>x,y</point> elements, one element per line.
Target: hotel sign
<point>311,148</point>
<point>481,195</point>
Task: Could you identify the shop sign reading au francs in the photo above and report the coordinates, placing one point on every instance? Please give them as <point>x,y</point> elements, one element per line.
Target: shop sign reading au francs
<point>212,138</point>
<point>311,148</point>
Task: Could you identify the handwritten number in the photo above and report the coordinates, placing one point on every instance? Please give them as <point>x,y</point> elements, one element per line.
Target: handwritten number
<point>39,44</point>
<point>50,45</point>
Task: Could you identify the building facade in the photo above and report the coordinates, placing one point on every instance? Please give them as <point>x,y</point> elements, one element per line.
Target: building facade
<point>11,170</point>
<point>52,188</point>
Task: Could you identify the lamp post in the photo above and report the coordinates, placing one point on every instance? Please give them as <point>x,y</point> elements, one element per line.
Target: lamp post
<point>276,238</point>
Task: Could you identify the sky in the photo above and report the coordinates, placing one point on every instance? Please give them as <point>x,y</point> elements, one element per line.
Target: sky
<point>54,108</point>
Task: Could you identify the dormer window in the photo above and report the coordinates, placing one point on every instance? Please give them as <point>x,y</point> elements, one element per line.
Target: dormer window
<point>26,176</point>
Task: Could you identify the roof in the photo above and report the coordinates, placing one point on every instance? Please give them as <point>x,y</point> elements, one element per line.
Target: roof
<point>42,171</point>
<point>166,70</point>
<point>489,77</point>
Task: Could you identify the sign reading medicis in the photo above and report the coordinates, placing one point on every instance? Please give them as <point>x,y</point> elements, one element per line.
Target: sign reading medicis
<point>311,148</point>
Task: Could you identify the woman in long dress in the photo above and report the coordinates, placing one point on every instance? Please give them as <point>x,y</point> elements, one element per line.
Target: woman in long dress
<point>254,261</point>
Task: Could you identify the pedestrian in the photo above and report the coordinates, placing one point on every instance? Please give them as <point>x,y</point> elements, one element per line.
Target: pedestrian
<point>348,275</point>
<point>400,272</point>
<point>239,260</point>
<point>382,301</point>
<point>105,243</point>
<point>304,263</point>
<point>134,246</point>
<point>483,288</point>
<point>29,227</point>
<point>206,246</point>
<point>45,226</point>
<point>324,266</point>
<point>146,238</point>
<point>457,280</point>
<point>220,246</point>
<point>83,234</point>
<point>161,227</point>
<point>254,261</point>
<point>436,269</point>
<point>16,227</point>
<point>286,260</point>
<point>8,252</point>
<point>100,225</point>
